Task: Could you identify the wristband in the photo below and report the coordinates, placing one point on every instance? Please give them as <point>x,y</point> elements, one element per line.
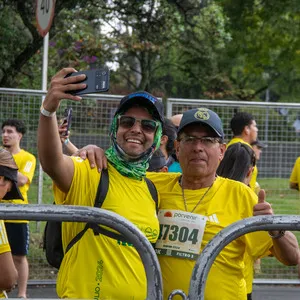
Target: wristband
<point>47,113</point>
<point>280,234</point>
<point>66,141</point>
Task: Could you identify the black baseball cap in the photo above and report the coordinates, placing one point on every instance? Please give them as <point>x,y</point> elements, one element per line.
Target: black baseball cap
<point>142,98</point>
<point>157,161</point>
<point>9,170</point>
<point>259,144</point>
<point>202,116</point>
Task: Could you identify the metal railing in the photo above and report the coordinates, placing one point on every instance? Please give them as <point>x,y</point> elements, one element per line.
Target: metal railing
<point>72,213</point>
<point>227,235</point>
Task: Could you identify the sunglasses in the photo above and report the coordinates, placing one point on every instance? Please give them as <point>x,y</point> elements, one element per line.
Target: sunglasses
<point>128,122</point>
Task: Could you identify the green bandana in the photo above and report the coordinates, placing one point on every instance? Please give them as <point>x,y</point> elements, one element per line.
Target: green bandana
<point>130,167</point>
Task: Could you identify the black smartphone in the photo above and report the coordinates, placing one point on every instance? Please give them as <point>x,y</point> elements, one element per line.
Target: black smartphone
<point>68,119</point>
<point>97,81</point>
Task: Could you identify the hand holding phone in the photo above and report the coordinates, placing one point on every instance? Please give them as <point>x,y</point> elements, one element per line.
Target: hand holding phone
<point>68,119</point>
<point>97,81</point>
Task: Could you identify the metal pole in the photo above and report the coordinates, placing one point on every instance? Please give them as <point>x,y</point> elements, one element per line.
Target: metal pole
<point>44,88</point>
<point>267,115</point>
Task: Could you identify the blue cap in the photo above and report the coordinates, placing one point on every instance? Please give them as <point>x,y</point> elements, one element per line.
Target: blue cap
<point>142,98</point>
<point>202,116</point>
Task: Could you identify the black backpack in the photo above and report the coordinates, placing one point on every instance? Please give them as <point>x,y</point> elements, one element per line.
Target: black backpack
<point>52,240</point>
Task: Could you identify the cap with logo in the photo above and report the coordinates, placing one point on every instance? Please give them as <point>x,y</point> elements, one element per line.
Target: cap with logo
<point>142,98</point>
<point>9,170</point>
<point>202,116</point>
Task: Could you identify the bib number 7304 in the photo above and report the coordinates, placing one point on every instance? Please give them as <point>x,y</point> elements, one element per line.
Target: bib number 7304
<point>175,233</point>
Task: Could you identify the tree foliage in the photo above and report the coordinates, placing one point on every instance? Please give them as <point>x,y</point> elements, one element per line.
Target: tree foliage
<point>222,49</point>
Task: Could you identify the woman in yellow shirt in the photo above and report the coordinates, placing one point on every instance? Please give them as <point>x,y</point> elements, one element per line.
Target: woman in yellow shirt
<point>8,190</point>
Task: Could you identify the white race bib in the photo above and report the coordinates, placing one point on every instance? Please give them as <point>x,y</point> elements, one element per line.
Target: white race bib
<point>181,233</point>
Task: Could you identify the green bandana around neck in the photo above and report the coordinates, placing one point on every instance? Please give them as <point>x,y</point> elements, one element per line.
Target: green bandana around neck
<point>127,166</point>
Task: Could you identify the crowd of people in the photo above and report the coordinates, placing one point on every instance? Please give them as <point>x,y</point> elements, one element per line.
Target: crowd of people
<point>203,185</point>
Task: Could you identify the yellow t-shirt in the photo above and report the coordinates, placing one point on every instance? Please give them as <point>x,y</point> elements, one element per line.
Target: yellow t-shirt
<point>226,202</point>
<point>26,163</point>
<point>255,170</point>
<point>98,267</point>
<point>295,175</point>
<point>4,245</point>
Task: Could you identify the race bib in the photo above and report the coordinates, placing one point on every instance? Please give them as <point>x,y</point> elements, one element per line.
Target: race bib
<point>181,233</point>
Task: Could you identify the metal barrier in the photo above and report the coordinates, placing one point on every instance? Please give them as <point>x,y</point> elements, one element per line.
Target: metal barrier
<point>227,235</point>
<point>72,213</point>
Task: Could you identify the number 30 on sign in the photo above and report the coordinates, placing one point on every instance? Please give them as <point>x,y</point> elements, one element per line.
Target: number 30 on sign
<point>44,15</point>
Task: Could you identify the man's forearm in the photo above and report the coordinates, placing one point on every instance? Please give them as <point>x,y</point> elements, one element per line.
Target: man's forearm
<point>286,249</point>
<point>49,145</point>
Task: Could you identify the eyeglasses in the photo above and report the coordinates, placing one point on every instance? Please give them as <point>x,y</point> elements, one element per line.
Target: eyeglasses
<point>204,140</point>
<point>128,122</point>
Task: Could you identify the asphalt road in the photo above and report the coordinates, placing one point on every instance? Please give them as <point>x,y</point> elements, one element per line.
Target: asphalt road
<point>260,292</point>
<point>271,292</point>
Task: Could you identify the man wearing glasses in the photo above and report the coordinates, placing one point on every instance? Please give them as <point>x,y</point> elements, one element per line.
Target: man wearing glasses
<point>97,266</point>
<point>198,204</point>
<point>194,207</point>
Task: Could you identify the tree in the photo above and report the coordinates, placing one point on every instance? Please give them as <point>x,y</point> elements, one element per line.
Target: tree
<point>225,49</point>
<point>19,37</point>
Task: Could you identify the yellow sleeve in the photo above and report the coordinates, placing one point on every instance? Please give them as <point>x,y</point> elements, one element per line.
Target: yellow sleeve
<point>294,174</point>
<point>27,166</point>
<point>4,245</point>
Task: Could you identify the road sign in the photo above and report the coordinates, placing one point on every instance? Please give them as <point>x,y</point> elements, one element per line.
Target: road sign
<point>44,15</point>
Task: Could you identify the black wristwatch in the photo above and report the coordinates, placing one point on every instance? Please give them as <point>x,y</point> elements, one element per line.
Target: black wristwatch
<point>280,234</point>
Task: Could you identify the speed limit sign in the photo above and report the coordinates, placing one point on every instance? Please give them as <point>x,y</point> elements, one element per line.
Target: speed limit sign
<point>44,15</point>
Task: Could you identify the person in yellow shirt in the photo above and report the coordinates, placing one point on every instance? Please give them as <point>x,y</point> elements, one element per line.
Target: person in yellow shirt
<point>8,190</point>
<point>295,175</point>
<point>294,184</point>
<point>13,131</point>
<point>238,164</point>
<point>244,129</point>
<point>198,204</point>
<point>97,266</point>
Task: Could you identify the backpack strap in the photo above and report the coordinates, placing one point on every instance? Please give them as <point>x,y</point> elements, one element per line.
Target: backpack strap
<point>153,192</point>
<point>102,189</point>
<point>100,196</point>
